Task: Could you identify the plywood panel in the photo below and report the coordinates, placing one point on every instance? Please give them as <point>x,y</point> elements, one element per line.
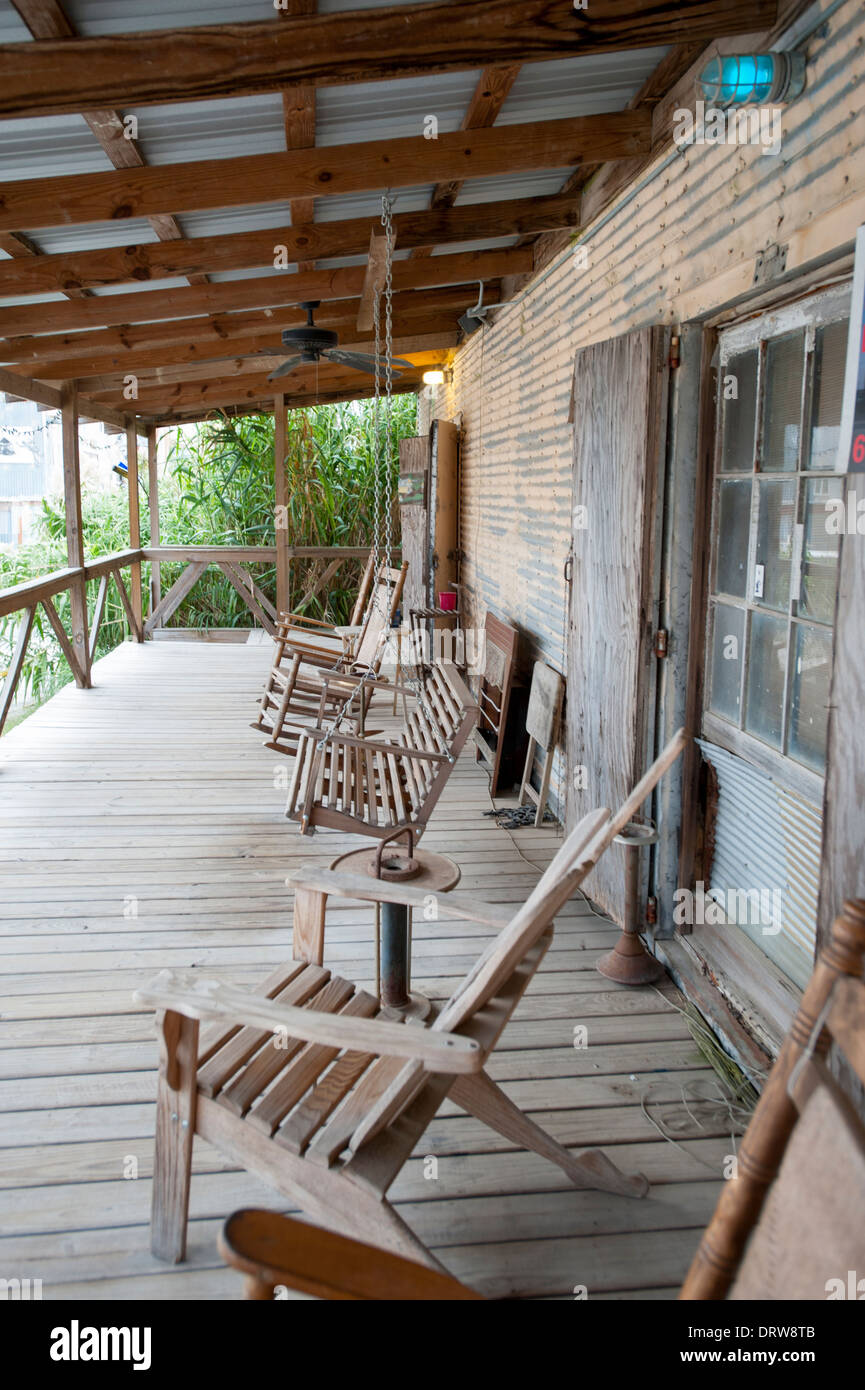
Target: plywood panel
<point>414,457</point>
<point>620,393</point>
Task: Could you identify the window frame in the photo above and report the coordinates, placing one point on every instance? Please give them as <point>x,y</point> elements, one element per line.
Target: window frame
<point>809,314</point>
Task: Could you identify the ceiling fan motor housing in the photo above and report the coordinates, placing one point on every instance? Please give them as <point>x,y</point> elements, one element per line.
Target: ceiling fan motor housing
<point>308,340</point>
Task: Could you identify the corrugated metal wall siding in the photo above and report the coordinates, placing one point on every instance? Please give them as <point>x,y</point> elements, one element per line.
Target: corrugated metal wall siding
<point>767,840</point>
<point>680,248</point>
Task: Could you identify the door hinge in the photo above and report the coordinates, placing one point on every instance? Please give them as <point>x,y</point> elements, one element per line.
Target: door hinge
<point>675,360</point>
<point>661,642</point>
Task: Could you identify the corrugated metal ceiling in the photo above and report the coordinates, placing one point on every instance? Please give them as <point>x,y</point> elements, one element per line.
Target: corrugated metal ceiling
<point>221,129</point>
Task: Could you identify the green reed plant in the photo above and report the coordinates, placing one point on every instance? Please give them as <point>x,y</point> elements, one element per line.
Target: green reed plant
<point>218,489</point>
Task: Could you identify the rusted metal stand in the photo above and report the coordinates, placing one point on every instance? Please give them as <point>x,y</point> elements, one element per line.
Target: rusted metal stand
<point>629,963</point>
<point>433,873</point>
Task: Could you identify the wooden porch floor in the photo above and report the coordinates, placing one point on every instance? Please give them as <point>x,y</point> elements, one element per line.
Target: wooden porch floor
<point>142,827</point>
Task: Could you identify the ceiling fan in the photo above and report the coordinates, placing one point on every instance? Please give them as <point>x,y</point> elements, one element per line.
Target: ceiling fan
<point>312,344</point>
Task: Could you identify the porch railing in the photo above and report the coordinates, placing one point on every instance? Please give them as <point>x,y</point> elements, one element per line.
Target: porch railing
<point>79,647</point>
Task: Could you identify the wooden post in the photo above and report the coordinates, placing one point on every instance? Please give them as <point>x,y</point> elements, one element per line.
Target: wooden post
<point>134,526</point>
<point>153,504</point>
<point>75,529</point>
<point>283,558</point>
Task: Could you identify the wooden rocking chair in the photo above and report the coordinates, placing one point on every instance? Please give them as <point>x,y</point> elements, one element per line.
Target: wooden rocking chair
<point>292,693</point>
<point>378,786</point>
<point>791,1224</point>
<point>301,1085</point>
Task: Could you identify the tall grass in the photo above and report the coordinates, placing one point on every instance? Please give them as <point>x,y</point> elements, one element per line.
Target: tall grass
<point>218,489</point>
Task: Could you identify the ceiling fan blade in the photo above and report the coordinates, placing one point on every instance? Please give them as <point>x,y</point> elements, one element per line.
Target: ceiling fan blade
<point>362,361</point>
<point>286,367</point>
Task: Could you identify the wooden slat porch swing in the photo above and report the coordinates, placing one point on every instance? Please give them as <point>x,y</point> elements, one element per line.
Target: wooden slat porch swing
<point>350,782</point>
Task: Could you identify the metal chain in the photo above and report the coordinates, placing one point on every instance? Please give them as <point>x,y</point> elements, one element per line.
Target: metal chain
<point>387,223</point>
<point>382,495</point>
<point>376,456</point>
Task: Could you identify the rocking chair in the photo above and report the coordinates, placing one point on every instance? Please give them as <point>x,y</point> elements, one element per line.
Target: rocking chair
<point>292,693</point>
<point>304,1087</point>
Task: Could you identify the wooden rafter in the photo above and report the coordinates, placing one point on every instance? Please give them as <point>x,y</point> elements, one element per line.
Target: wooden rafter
<point>234,389</point>
<point>298,111</point>
<point>256,363</point>
<point>117,265</point>
<point>28,389</point>
<point>489,97</point>
<point>185,340</point>
<point>20,247</point>
<point>46,19</point>
<point>346,282</point>
<point>357,46</point>
<point>360,167</point>
<point>191,415</point>
<point>423,331</point>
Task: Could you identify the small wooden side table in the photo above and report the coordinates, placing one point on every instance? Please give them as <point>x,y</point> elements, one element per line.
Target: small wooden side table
<point>431,873</point>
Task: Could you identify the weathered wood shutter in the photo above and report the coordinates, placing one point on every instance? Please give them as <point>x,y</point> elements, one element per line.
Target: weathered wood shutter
<point>619,414</point>
<point>414,457</point>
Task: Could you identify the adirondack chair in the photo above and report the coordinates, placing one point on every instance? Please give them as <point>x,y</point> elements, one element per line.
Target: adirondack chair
<point>303,1086</point>
<point>378,786</point>
<point>792,1223</point>
<point>790,1226</point>
<point>273,1250</point>
<point>292,695</point>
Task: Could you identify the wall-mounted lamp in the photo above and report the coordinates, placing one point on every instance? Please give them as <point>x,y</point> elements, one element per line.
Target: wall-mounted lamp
<point>752,79</point>
<point>437,377</point>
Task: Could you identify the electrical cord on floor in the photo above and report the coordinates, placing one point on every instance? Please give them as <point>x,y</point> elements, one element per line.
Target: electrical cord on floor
<point>539,868</point>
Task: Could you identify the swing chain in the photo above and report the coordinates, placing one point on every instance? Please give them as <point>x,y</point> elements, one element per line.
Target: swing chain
<point>382,498</point>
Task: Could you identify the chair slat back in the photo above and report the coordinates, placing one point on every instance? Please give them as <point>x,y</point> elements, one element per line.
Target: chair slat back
<point>574,861</point>
<point>384,600</point>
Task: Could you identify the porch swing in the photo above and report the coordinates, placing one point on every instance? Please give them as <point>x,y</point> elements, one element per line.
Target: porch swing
<point>379,786</point>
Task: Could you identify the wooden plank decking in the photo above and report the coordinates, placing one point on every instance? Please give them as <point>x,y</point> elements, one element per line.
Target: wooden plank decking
<point>141,826</point>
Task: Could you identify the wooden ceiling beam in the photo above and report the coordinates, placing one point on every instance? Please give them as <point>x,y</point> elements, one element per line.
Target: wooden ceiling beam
<point>200,338</point>
<point>180,358</point>
<point>305,379</point>
<point>49,397</point>
<point>267,291</point>
<point>298,112</point>
<point>264,406</point>
<point>377,44</point>
<point>489,97</point>
<point>232,391</point>
<point>362,167</point>
<point>117,265</point>
<point>46,19</point>
<point>251,363</point>
<point>23,248</point>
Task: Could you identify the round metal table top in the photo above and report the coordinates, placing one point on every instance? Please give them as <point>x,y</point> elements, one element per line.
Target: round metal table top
<point>436,872</point>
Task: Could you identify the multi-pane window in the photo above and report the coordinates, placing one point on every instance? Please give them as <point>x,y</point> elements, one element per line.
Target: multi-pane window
<point>775,550</point>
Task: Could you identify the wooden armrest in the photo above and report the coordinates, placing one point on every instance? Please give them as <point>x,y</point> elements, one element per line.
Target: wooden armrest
<point>199,996</point>
<point>349,629</point>
<point>339,885</point>
<point>272,1249</point>
<point>371,684</point>
<point>394,749</point>
<point>300,619</point>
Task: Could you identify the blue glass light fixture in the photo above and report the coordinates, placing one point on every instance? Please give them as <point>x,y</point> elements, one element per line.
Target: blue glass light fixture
<point>752,79</point>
